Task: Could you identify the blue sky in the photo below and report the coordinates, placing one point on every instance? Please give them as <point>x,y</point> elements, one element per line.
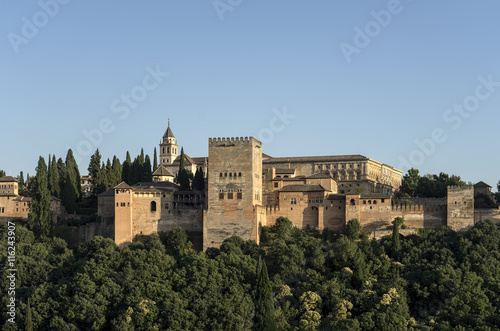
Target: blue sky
<point>377,78</point>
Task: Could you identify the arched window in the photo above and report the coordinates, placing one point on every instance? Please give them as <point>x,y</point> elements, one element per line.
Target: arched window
<point>230,174</point>
<point>353,202</point>
<point>153,205</point>
<point>220,174</point>
<point>168,149</point>
<point>369,202</point>
<point>239,175</point>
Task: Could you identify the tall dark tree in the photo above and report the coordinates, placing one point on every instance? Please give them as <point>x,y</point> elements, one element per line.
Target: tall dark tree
<point>183,176</point>
<point>2,173</point>
<point>148,174</point>
<point>54,187</point>
<point>94,170</point>
<point>127,169</point>
<point>409,184</point>
<point>116,171</point>
<point>28,323</point>
<point>74,174</point>
<point>61,169</point>
<point>199,180</point>
<point>137,171</point>
<point>41,218</point>
<point>264,304</point>
<point>396,242</point>
<point>155,161</point>
<point>22,185</point>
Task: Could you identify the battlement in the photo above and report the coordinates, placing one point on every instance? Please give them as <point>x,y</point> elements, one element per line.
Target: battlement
<point>460,188</point>
<point>418,207</point>
<point>231,140</point>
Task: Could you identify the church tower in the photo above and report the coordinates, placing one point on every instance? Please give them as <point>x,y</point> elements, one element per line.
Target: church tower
<point>168,147</point>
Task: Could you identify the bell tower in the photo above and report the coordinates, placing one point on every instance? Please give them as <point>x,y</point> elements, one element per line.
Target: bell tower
<point>168,147</point>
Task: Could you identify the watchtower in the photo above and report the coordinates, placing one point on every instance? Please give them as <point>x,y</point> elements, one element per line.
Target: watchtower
<point>234,190</point>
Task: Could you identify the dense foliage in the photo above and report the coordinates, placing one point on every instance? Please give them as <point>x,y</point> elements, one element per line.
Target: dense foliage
<point>427,186</point>
<point>439,279</point>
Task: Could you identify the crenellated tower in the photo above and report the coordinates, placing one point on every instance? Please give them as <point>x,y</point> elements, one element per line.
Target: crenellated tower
<point>168,147</point>
<point>234,190</point>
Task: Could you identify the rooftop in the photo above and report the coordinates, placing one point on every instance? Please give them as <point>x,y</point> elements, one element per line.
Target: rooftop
<point>303,188</point>
<point>8,179</point>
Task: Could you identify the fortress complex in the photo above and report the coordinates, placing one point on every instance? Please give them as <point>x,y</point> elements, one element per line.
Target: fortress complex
<point>246,189</point>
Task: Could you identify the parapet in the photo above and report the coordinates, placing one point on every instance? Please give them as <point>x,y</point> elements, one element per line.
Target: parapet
<point>460,188</point>
<point>231,140</point>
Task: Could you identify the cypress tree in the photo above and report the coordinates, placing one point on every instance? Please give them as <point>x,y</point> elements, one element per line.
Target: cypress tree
<point>68,195</point>
<point>41,217</point>
<point>117,171</point>
<point>72,184</point>
<point>21,179</point>
<point>136,171</point>
<point>183,176</point>
<point>155,161</point>
<point>127,169</point>
<point>61,169</point>
<point>2,173</point>
<point>264,304</point>
<point>94,170</point>
<point>148,174</point>
<point>199,180</point>
<point>396,243</point>
<point>74,174</point>
<point>54,187</point>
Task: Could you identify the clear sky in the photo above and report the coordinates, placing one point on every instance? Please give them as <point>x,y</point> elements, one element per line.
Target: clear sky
<point>407,83</point>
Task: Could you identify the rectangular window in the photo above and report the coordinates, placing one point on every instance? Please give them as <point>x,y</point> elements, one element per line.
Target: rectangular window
<point>293,201</point>
<point>122,204</point>
<point>221,196</point>
<point>275,184</point>
<point>230,195</point>
<point>239,196</point>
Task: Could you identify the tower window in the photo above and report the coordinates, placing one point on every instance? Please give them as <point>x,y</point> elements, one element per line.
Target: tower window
<point>220,174</point>
<point>239,175</point>
<point>163,150</point>
<point>230,174</point>
<point>225,174</point>
<point>153,205</point>
<point>168,149</point>
<point>276,184</point>
<point>221,196</point>
<point>239,196</point>
<point>230,196</point>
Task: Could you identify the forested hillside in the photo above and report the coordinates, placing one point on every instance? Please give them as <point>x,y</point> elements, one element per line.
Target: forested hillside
<point>310,280</point>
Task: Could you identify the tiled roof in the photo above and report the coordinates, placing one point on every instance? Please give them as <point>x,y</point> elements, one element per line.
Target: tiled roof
<point>8,179</point>
<point>162,171</point>
<point>122,186</point>
<point>481,184</point>
<point>169,133</point>
<point>319,175</point>
<point>303,188</point>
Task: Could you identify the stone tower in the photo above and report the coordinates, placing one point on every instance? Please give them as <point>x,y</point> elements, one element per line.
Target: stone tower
<point>460,207</point>
<point>168,147</point>
<point>123,214</point>
<point>234,190</point>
